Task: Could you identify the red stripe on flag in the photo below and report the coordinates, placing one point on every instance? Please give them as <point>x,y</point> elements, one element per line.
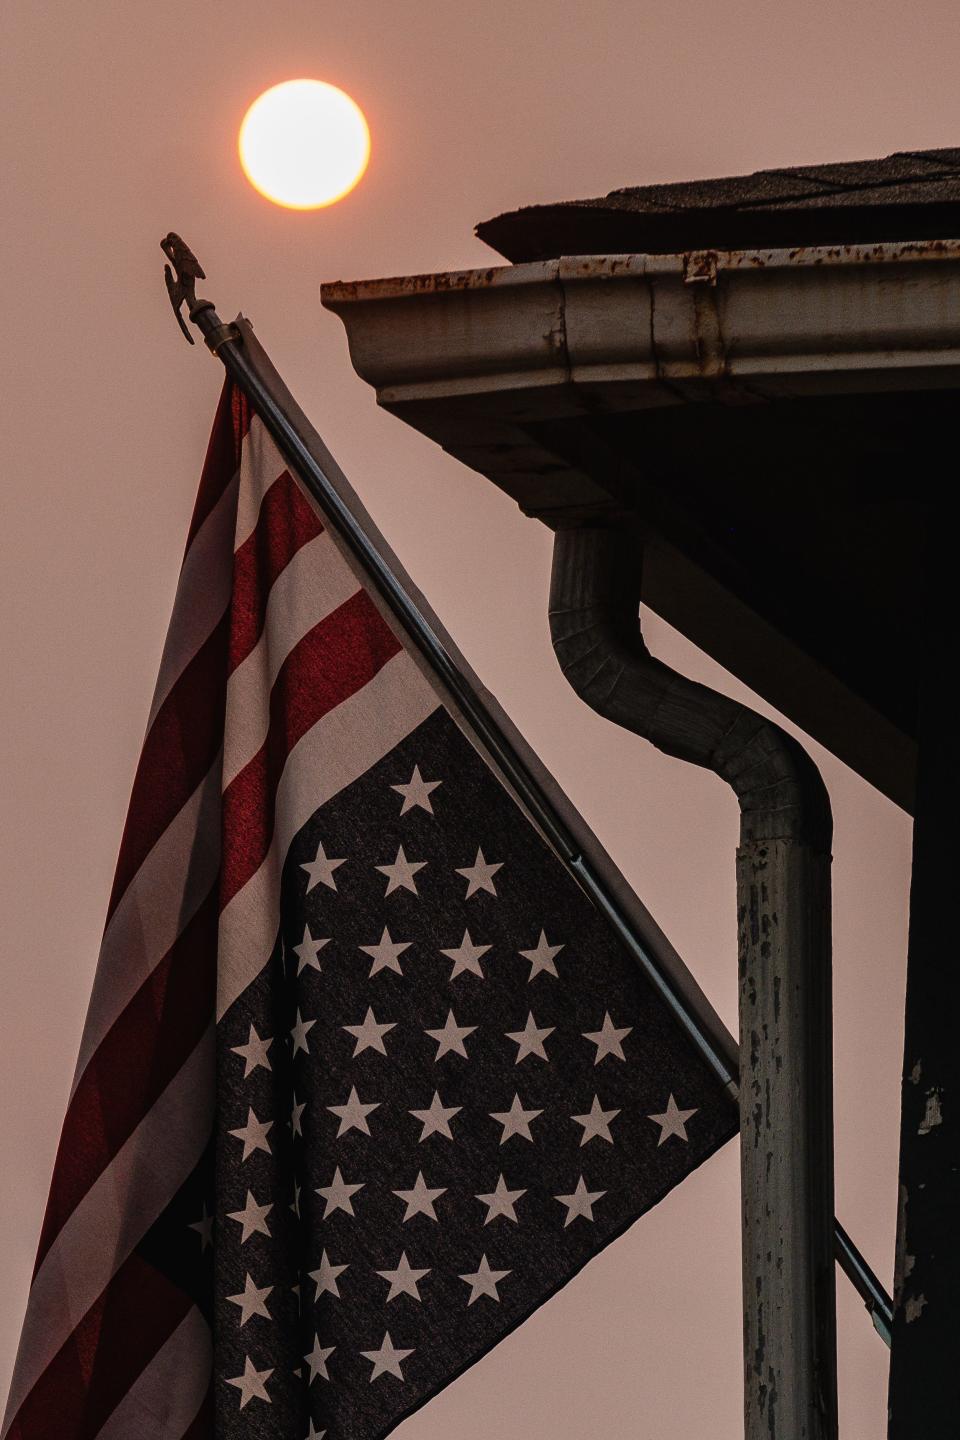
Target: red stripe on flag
<point>230,426</point>
<point>134,1063</point>
<point>180,747</point>
<point>285,523</point>
<point>332,662</point>
<point>110,1347</point>
<point>202,1426</point>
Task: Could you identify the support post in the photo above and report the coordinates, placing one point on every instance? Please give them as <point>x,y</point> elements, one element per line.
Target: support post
<point>924,1375</point>
<point>783,900</point>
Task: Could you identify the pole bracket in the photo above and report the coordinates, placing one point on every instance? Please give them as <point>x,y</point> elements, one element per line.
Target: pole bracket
<point>220,335</point>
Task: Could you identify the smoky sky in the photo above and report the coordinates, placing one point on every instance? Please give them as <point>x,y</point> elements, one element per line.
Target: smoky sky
<point>120,124</point>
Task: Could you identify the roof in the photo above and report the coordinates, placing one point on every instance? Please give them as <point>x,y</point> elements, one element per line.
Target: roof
<point>911,195</point>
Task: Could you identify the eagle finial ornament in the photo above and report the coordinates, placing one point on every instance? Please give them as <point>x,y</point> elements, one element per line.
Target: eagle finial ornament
<point>182,278</point>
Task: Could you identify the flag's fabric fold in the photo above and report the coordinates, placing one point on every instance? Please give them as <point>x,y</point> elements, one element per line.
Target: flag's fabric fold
<point>365,1076</point>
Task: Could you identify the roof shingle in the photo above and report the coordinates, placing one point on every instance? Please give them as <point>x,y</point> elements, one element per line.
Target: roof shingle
<point>912,195</point>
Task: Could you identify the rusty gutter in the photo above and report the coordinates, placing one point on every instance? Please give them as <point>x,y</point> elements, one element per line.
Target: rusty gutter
<point>768,322</point>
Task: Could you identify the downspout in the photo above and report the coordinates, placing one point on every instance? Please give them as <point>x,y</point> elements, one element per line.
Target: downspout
<point>783,908</point>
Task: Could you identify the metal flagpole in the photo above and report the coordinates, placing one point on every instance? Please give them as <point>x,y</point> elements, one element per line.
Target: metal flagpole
<point>225,341</point>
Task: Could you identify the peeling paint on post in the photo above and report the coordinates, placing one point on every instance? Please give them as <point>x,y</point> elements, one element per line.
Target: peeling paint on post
<point>786,1153</point>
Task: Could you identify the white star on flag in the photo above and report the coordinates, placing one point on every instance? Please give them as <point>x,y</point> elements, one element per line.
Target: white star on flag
<point>672,1121</point>
<point>252,1383</point>
<point>253,1135</point>
<point>436,1120</point>
<point>501,1202</point>
<point>479,875</point>
<point>299,1034</point>
<point>419,1200</point>
<point>400,874</point>
<point>484,1281</point>
<point>251,1301</point>
<point>296,1114</point>
<point>529,1040</point>
<point>466,957</point>
<point>252,1219</point>
<point>386,953</point>
<point>320,870</point>
<point>515,1121</point>
<point>541,958</point>
<point>204,1228</point>
<point>417,791</point>
<point>338,1194</point>
<point>254,1053</point>
<point>596,1125</point>
<point>607,1039</point>
<point>317,1360</point>
<point>308,950</point>
<point>325,1278</point>
<point>387,1359</point>
<point>450,1037</point>
<point>369,1035</point>
<point>404,1279</point>
<point>580,1203</point>
<point>353,1113</point>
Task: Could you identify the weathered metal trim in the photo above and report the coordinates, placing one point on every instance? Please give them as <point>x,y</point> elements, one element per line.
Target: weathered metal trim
<point>783,902</point>
<point>779,321</point>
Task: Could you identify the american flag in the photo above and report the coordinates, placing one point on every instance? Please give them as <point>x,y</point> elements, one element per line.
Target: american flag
<point>365,1076</point>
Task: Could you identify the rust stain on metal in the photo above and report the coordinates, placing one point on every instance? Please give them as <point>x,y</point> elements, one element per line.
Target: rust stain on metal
<point>700,267</point>
<point>600,266</point>
<point>402,286</point>
<point>709,346</point>
<point>913,1308</point>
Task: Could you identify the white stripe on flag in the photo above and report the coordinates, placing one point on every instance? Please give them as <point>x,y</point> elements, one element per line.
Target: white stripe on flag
<point>311,587</point>
<point>260,464</point>
<point>340,748</point>
<point>203,594</point>
<point>113,1217</point>
<point>164,1399</point>
<point>157,905</point>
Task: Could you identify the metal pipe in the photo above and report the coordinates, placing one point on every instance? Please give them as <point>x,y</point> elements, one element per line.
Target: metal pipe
<point>225,341</point>
<point>783,904</point>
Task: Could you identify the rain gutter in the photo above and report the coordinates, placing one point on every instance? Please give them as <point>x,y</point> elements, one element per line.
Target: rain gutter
<point>615,332</point>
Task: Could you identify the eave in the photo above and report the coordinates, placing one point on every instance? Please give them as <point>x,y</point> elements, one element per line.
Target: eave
<point>525,372</point>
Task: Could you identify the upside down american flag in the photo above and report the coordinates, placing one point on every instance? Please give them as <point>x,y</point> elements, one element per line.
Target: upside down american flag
<point>365,1077</point>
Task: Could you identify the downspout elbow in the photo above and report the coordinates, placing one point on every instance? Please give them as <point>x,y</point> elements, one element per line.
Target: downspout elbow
<point>597,638</point>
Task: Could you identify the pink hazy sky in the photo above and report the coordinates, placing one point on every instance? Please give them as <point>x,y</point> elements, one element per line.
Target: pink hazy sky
<point>120,123</point>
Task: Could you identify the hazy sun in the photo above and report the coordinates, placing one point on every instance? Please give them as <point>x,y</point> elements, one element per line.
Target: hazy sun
<point>304,144</point>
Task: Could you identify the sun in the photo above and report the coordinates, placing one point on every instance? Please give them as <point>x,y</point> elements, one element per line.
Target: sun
<point>304,144</point>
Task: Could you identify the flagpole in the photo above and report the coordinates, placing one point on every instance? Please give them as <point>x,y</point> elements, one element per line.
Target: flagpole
<point>225,341</point>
